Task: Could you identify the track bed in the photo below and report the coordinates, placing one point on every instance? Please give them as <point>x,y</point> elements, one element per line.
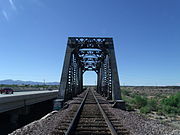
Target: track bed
<point>91,117</point>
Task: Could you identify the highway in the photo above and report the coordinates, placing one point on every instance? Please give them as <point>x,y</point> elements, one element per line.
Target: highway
<point>26,93</point>
<point>21,99</point>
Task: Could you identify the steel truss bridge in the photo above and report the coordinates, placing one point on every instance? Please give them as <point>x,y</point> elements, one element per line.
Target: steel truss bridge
<point>89,54</point>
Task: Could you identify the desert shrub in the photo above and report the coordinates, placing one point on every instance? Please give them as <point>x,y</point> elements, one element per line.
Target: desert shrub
<point>140,101</point>
<point>169,109</point>
<point>127,99</point>
<point>133,95</point>
<point>173,100</point>
<point>125,92</point>
<point>171,105</point>
<point>162,105</point>
<point>129,107</point>
<point>145,109</point>
<point>152,104</point>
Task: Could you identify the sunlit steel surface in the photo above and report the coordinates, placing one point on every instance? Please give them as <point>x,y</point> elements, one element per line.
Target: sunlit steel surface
<point>89,54</point>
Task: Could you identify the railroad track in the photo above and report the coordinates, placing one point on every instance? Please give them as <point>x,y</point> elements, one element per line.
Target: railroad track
<point>91,117</point>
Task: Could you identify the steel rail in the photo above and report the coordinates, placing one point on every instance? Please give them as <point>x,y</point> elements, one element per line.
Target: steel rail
<point>74,121</point>
<point>111,128</point>
<point>72,124</point>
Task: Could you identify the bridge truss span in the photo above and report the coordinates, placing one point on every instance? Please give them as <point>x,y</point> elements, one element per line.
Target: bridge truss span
<point>89,54</point>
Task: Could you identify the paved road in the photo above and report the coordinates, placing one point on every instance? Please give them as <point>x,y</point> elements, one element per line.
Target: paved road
<point>22,99</point>
<point>26,93</point>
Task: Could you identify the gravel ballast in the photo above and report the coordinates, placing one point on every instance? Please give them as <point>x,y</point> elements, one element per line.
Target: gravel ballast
<point>135,123</point>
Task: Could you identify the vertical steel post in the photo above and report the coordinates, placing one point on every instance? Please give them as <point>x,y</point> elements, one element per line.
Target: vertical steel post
<point>65,72</point>
<point>80,78</point>
<point>104,64</point>
<point>100,81</point>
<point>116,93</point>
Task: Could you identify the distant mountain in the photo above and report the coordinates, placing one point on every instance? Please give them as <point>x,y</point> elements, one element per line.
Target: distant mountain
<point>20,82</point>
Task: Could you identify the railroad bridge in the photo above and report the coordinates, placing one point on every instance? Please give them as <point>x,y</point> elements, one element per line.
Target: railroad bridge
<point>90,54</point>
<point>90,113</point>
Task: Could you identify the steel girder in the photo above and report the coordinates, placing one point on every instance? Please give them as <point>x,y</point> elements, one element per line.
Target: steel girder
<point>89,54</point>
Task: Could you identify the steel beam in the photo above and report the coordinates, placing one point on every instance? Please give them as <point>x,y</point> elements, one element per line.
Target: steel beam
<point>90,54</point>
<point>116,94</point>
<point>65,72</point>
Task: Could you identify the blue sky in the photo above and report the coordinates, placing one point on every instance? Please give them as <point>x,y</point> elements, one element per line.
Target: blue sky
<point>146,33</point>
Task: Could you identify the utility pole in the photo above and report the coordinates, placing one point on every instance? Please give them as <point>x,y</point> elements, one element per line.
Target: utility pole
<point>44,84</point>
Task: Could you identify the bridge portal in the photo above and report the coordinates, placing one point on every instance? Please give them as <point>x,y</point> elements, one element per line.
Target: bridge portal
<point>90,54</point>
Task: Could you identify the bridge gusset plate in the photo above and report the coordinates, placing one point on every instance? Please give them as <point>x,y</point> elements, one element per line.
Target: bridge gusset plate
<point>90,54</point>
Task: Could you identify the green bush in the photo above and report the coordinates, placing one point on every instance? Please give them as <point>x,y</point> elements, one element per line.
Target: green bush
<point>145,109</point>
<point>166,106</point>
<point>173,100</point>
<point>169,109</point>
<point>129,108</point>
<point>152,103</point>
<point>127,99</point>
<point>125,92</point>
<point>133,95</point>
<point>140,101</point>
<point>171,105</point>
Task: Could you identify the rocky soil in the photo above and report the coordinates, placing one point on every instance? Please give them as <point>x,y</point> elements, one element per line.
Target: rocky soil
<point>139,125</point>
<point>134,122</point>
<point>153,90</point>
